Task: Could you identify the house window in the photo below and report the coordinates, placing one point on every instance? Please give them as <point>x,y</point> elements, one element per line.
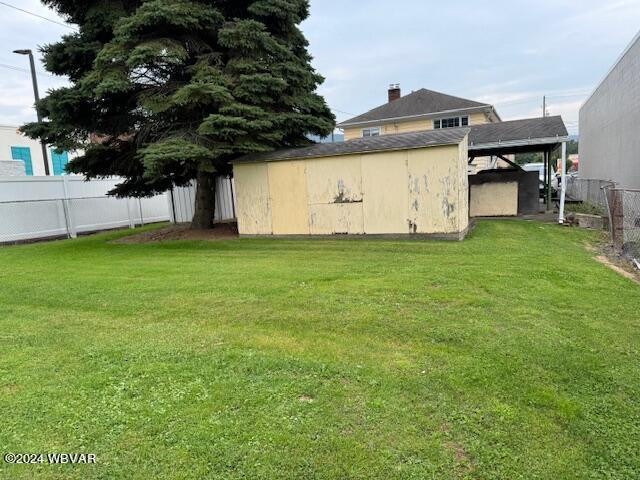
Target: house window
<point>453,122</point>
<point>24,154</point>
<point>59,161</point>
<point>371,132</point>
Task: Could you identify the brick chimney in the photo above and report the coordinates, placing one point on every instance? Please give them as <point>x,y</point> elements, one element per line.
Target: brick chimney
<point>394,92</point>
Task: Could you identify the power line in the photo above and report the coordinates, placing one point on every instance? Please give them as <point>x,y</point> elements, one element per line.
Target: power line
<point>343,112</point>
<point>25,70</point>
<point>39,16</point>
<point>536,98</point>
<point>11,67</point>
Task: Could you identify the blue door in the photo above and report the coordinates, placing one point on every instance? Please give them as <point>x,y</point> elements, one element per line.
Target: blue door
<point>24,154</point>
<point>59,161</point>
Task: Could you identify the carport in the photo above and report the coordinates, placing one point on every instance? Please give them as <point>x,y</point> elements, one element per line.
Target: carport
<point>532,135</point>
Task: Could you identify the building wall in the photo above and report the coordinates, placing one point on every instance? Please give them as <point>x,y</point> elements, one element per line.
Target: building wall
<point>11,168</point>
<point>609,140</point>
<point>10,137</point>
<point>477,118</point>
<point>421,191</point>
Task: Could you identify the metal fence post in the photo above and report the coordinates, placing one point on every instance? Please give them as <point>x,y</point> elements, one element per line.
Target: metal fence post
<point>605,192</point>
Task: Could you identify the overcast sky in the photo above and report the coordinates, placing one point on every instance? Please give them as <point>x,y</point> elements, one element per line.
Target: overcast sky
<point>506,52</point>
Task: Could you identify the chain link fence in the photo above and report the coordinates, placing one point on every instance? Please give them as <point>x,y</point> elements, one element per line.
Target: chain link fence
<point>623,206</point>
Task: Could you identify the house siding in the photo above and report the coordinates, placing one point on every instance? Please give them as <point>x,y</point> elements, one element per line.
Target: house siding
<point>477,118</point>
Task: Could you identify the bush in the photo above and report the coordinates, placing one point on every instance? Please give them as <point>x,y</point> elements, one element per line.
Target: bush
<point>587,208</point>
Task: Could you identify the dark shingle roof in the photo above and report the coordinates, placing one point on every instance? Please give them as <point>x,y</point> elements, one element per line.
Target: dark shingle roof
<point>524,131</point>
<point>405,141</point>
<point>515,130</point>
<point>421,102</point>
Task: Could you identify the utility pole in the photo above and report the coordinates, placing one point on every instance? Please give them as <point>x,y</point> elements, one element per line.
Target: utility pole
<point>544,106</point>
<point>34,80</point>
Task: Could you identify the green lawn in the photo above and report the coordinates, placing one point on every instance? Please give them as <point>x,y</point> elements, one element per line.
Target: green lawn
<point>510,355</point>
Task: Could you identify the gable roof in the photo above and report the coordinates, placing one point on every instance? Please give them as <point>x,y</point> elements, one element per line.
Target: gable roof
<point>404,141</point>
<point>420,102</point>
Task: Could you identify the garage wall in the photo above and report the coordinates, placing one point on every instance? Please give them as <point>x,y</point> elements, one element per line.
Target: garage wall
<point>421,191</point>
<point>463,188</point>
<point>386,197</point>
<point>335,196</point>
<point>289,198</point>
<point>253,202</point>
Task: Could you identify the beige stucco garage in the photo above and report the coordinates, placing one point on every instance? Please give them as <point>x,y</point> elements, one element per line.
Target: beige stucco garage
<point>409,184</point>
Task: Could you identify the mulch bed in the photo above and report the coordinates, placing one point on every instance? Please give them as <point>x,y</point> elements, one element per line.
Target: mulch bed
<point>221,231</point>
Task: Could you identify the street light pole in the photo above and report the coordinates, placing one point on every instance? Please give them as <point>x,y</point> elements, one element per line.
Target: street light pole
<point>34,80</point>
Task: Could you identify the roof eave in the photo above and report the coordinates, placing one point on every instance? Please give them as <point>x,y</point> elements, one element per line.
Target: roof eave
<point>412,117</point>
<point>462,139</point>
<point>520,143</point>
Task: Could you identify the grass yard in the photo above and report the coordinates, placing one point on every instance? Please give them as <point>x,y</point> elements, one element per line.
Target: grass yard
<point>511,355</point>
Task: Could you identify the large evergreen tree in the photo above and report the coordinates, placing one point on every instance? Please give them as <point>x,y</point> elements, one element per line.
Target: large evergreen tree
<point>172,90</point>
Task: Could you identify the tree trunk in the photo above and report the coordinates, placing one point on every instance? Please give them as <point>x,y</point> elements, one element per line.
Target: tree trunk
<point>205,201</point>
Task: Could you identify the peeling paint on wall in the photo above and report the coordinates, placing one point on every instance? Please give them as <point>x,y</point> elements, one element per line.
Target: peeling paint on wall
<point>494,199</point>
<point>411,191</point>
<point>344,194</point>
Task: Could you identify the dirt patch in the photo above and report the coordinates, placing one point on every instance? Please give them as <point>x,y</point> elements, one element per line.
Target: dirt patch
<point>464,464</point>
<point>607,256</point>
<point>9,389</point>
<point>621,267</point>
<point>222,231</point>
<point>461,455</point>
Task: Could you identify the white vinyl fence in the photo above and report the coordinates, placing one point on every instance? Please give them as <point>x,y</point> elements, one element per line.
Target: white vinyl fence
<point>184,200</point>
<point>41,207</point>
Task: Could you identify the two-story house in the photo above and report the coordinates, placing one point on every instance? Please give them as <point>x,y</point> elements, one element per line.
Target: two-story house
<point>420,110</point>
<point>424,110</point>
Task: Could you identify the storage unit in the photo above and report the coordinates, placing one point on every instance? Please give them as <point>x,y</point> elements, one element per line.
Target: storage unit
<point>408,184</point>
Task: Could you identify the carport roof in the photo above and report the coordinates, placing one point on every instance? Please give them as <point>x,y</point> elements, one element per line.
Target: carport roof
<point>531,134</point>
<point>404,141</point>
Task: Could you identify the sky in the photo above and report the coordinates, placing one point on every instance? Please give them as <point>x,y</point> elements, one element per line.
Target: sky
<point>509,53</point>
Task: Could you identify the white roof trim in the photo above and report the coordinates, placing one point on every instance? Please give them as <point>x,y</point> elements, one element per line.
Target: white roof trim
<point>519,143</point>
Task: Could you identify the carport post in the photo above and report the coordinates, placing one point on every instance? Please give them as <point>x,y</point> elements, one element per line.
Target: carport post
<point>547,180</point>
<point>563,189</point>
